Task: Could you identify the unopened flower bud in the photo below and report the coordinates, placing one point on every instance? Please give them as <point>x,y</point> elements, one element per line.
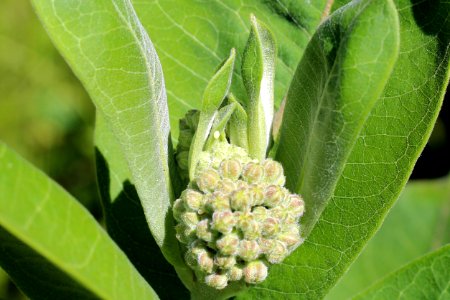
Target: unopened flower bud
<point>291,236</point>
<point>207,180</point>
<point>296,206</point>
<point>256,195</point>
<point>248,225</point>
<point>228,244</point>
<point>218,201</point>
<point>273,172</point>
<point>270,227</point>
<point>223,221</point>
<point>255,272</point>
<point>193,200</point>
<point>224,262</point>
<point>203,231</point>
<point>249,250</point>
<point>253,172</point>
<point>205,262</point>
<point>235,273</point>
<point>189,218</point>
<point>273,195</point>
<point>216,281</point>
<point>178,209</point>
<point>277,253</point>
<point>260,213</point>
<point>266,244</point>
<point>240,200</point>
<point>230,168</point>
<point>184,234</point>
<point>226,186</point>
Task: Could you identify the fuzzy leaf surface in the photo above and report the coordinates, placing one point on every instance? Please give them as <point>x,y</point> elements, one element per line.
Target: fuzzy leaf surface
<point>425,278</point>
<point>52,247</point>
<point>111,53</point>
<point>418,223</point>
<point>380,162</point>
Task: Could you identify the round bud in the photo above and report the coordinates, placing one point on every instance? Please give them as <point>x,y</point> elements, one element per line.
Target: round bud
<point>216,281</point>
<point>226,186</point>
<point>228,244</point>
<point>193,200</point>
<point>260,213</point>
<point>273,195</point>
<point>249,250</point>
<point>291,237</point>
<point>296,206</point>
<point>178,209</point>
<point>230,168</point>
<point>255,272</point>
<point>205,262</point>
<point>207,180</point>
<point>235,273</point>
<point>218,201</point>
<point>248,225</point>
<point>270,227</point>
<point>224,262</point>
<point>240,200</point>
<point>273,172</point>
<point>253,172</point>
<point>266,244</point>
<point>277,252</point>
<point>223,221</point>
<point>256,195</point>
<point>189,218</point>
<point>184,234</point>
<point>203,231</point>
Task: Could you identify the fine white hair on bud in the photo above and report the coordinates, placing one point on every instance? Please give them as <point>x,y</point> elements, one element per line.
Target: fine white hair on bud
<point>236,218</point>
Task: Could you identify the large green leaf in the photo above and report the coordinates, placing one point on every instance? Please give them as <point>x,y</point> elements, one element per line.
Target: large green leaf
<point>425,278</point>
<point>338,81</point>
<point>380,162</point>
<point>52,247</point>
<point>110,52</point>
<point>125,219</point>
<point>418,223</point>
<point>193,37</point>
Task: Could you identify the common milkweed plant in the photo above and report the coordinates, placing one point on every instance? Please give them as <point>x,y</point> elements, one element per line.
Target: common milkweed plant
<point>257,167</point>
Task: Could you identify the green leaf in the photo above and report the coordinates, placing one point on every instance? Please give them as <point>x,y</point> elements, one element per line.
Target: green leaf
<point>380,162</point>
<point>52,247</point>
<point>338,81</point>
<point>417,224</point>
<point>238,124</point>
<point>125,219</point>
<point>213,96</point>
<point>425,278</point>
<point>192,38</point>
<point>220,123</point>
<point>110,52</point>
<point>258,74</point>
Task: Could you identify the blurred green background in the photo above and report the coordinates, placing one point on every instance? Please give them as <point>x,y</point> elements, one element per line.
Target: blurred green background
<point>47,117</point>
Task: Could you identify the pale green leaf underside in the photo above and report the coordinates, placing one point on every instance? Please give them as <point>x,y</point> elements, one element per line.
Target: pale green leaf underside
<point>418,223</point>
<point>193,37</point>
<point>380,162</point>
<point>110,52</point>
<point>52,247</point>
<point>125,219</point>
<point>425,278</point>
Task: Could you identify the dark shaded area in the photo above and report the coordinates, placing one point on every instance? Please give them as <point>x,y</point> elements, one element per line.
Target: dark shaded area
<point>36,276</point>
<point>126,224</point>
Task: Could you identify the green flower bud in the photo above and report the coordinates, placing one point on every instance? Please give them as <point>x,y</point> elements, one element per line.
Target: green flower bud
<point>224,262</point>
<point>184,234</point>
<point>205,261</point>
<point>270,227</point>
<point>248,225</point>
<point>249,250</point>
<point>253,172</point>
<point>235,273</point>
<point>218,201</point>
<point>208,180</point>
<point>291,237</point>
<point>256,194</point>
<point>296,206</point>
<point>230,168</point>
<point>190,219</point>
<point>203,231</point>
<point>223,221</point>
<point>193,200</point>
<point>255,272</point>
<point>178,209</point>
<point>260,213</point>
<point>277,253</point>
<point>266,244</point>
<point>280,212</point>
<point>273,172</point>
<point>216,281</point>
<point>273,195</point>
<point>226,186</point>
<point>228,244</point>
<point>240,200</point>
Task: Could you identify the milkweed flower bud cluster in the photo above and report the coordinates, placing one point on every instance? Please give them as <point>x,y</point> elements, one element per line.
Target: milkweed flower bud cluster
<point>236,218</point>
